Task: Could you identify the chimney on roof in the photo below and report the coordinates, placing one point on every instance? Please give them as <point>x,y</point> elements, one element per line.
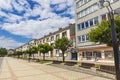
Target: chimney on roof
<point>70,24</point>
<point>60,29</point>
<point>50,33</point>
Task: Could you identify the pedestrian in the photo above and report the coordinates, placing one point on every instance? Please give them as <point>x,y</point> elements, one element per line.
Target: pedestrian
<point>95,57</point>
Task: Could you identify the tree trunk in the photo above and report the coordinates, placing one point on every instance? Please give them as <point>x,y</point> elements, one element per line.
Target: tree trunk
<point>63,56</point>
<point>43,56</point>
<point>18,56</point>
<point>29,57</point>
<point>33,56</point>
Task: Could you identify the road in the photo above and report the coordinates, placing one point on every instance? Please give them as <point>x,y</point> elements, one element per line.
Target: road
<point>15,69</point>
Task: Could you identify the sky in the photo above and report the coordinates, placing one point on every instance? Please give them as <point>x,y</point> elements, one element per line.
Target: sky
<point>24,20</point>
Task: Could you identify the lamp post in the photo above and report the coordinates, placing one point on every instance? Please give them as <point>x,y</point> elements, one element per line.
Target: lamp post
<point>114,39</point>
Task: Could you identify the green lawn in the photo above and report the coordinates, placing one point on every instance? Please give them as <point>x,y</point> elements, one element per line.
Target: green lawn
<point>45,61</point>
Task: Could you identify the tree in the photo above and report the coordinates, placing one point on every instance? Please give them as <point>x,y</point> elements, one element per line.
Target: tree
<point>63,44</point>
<point>44,48</point>
<point>25,53</point>
<point>3,52</point>
<point>18,53</point>
<point>102,33</point>
<point>32,50</point>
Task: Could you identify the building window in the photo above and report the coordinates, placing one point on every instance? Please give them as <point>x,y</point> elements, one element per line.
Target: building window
<point>57,36</point>
<point>43,40</point>
<point>79,27</point>
<point>52,44</point>
<point>79,38</point>
<point>81,2</point>
<point>87,10</point>
<point>87,38</point>
<point>86,24</point>
<point>47,40</point>
<point>83,26</point>
<point>111,1</point>
<point>104,17</point>
<point>91,22</point>
<point>117,11</point>
<point>52,38</point>
<point>64,34</point>
<point>83,38</point>
<point>96,20</point>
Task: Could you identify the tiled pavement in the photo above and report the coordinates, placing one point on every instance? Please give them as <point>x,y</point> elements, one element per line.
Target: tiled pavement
<point>14,69</point>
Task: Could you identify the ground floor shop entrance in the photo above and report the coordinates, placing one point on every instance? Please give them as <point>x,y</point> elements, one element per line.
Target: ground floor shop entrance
<point>73,55</point>
<point>93,55</point>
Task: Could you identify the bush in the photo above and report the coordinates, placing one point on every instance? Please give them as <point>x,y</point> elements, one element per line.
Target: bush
<point>79,63</point>
<point>97,65</point>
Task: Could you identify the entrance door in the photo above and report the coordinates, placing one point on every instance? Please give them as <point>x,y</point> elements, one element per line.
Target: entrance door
<point>74,56</point>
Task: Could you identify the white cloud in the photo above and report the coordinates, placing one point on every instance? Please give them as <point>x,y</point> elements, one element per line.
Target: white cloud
<point>13,18</point>
<point>36,28</point>
<point>61,6</point>
<point>3,13</point>
<point>57,1</point>
<point>8,43</point>
<point>6,4</point>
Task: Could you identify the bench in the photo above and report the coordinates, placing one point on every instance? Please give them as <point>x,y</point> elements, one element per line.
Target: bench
<point>56,62</point>
<point>107,68</point>
<point>70,63</point>
<point>87,65</point>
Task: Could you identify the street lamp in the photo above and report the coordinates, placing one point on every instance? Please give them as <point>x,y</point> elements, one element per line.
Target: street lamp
<point>114,39</point>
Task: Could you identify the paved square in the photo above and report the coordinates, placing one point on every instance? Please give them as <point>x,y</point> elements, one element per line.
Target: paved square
<point>15,69</point>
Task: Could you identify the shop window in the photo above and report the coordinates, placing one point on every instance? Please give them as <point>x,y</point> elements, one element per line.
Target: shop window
<point>84,54</point>
<point>109,55</point>
<point>88,55</point>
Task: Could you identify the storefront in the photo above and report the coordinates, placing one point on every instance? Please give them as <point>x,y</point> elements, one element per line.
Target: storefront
<point>109,55</point>
<point>74,55</point>
<point>91,55</point>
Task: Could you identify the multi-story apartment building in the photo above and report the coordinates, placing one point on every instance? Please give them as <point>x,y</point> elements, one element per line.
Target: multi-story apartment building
<point>87,14</point>
<point>19,48</point>
<point>68,31</point>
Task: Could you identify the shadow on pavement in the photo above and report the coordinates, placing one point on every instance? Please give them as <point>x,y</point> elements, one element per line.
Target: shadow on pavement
<point>83,70</point>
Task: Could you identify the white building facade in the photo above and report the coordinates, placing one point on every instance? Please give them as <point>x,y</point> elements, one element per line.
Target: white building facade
<point>68,32</point>
<point>51,38</point>
<point>87,14</point>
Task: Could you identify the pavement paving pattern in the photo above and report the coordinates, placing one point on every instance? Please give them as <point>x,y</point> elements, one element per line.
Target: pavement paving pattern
<point>15,69</point>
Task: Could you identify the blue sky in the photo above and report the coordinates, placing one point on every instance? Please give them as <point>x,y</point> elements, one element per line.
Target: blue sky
<point>24,20</point>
